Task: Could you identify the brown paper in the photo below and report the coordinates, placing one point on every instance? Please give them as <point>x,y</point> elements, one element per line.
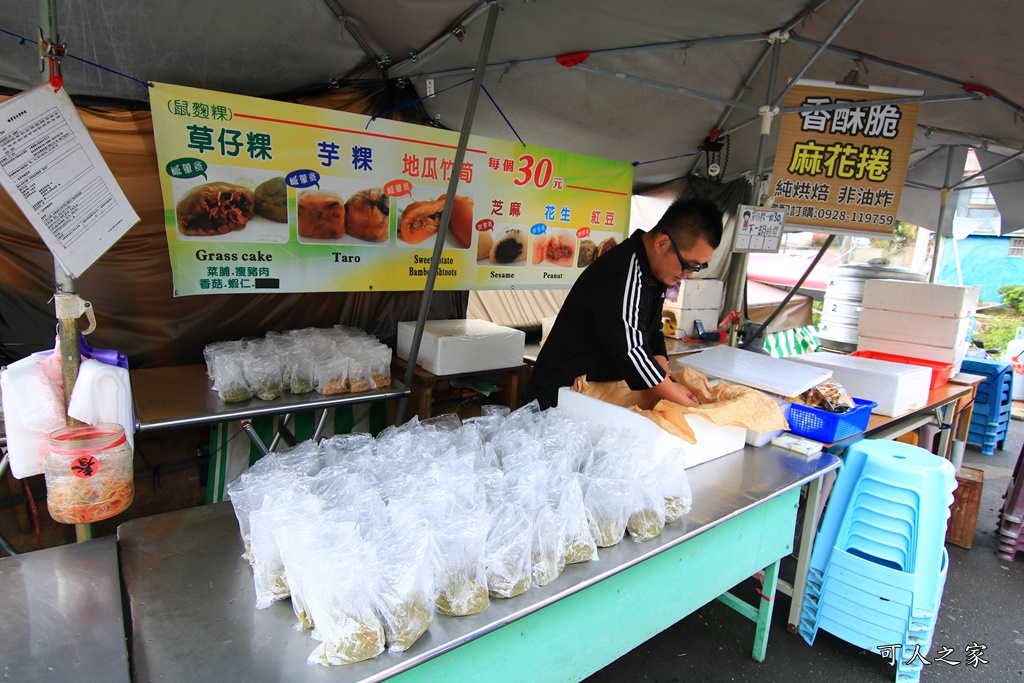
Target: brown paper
<point>724,404</point>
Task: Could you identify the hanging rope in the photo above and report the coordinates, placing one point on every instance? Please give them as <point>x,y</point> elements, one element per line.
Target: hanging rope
<point>655,161</point>
<point>484,88</point>
<point>23,40</point>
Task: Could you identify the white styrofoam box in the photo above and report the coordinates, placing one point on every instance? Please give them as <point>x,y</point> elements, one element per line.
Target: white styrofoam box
<point>758,439</point>
<point>696,294</point>
<point>895,387</point>
<point>915,328</point>
<point>713,441</point>
<point>452,346</point>
<point>946,301</point>
<point>684,319</point>
<point>939,354</point>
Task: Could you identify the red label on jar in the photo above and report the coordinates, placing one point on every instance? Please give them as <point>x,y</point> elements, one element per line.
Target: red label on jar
<point>85,466</point>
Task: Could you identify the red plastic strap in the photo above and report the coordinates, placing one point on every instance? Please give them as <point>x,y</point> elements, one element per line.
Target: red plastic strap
<point>573,58</point>
<point>765,597</point>
<point>714,133</point>
<point>973,87</point>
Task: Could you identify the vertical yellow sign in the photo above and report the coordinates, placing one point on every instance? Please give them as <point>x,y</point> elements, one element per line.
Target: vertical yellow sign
<point>843,168</point>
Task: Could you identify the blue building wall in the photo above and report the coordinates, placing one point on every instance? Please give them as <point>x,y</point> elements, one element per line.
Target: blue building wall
<point>984,262</point>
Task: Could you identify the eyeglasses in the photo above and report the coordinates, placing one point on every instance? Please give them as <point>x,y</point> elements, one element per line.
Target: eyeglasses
<point>687,267</point>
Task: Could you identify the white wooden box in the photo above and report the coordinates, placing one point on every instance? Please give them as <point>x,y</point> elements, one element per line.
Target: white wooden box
<point>946,301</point>
<point>696,294</point>
<point>916,328</point>
<point>895,387</point>
<point>712,441</point>
<point>450,347</point>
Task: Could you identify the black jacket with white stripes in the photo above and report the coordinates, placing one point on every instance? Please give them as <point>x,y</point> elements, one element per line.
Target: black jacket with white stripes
<point>609,327</point>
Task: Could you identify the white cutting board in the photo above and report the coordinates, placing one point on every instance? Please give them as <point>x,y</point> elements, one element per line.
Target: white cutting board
<point>774,375</point>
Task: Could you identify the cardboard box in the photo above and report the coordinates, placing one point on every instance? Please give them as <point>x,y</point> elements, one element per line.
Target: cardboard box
<point>945,301</point>
<point>450,347</point>
<point>916,328</point>
<point>713,441</point>
<point>679,323</point>
<point>895,387</point>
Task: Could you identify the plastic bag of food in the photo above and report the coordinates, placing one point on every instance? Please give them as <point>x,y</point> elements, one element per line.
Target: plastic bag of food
<point>225,365</point>
<point>248,493</point>
<point>379,365</point>
<point>279,511</point>
<point>340,597</point>
<point>405,589</point>
<point>609,504</point>
<point>548,558</point>
<point>829,396</point>
<point>647,519</point>
<point>508,556</point>
<point>358,367</point>
<point>302,536</point>
<point>262,367</point>
<point>299,365</point>
<point>580,545</point>
<point>670,474</point>
<point>459,524</point>
<point>331,375</point>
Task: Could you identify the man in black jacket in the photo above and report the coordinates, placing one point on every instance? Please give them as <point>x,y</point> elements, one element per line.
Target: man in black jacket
<point>609,327</point>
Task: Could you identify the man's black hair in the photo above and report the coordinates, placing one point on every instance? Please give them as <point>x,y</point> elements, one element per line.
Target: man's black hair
<point>689,219</point>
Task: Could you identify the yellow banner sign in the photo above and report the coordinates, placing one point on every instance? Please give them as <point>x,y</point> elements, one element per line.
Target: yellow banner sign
<point>264,196</point>
<point>843,168</point>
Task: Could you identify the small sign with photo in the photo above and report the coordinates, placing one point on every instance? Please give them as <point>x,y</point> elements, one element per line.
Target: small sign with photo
<point>759,229</point>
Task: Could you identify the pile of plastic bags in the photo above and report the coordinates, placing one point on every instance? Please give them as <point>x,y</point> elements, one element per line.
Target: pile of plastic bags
<point>335,360</point>
<point>371,537</point>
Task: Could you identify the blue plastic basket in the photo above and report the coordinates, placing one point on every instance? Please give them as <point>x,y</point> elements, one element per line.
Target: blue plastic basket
<point>827,427</point>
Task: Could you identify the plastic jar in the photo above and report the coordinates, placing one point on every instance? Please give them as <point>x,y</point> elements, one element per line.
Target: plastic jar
<point>88,472</point>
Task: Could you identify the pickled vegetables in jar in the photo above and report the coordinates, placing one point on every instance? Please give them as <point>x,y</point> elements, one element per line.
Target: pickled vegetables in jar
<point>88,472</point>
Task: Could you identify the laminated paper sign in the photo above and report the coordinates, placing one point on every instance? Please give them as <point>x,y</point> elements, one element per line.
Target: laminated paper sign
<point>264,196</point>
<point>844,168</point>
<point>53,171</point>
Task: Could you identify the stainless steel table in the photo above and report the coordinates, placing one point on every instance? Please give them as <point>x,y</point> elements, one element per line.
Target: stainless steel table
<point>62,615</point>
<point>182,396</point>
<point>192,599</point>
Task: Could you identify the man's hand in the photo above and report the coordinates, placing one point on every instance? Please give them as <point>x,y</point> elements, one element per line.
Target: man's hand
<point>675,392</point>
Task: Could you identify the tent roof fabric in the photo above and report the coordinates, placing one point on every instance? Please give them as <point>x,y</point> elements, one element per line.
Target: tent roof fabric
<point>600,107</point>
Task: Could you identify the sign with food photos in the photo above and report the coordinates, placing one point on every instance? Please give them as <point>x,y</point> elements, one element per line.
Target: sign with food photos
<point>263,196</point>
<point>843,168</point>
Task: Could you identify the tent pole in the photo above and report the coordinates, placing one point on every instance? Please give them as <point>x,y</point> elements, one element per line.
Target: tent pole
<point>449,200</point>
<point>982,172</point>
<point>736,287</point>
<point>817,52</point>
<point>64,284</point>
<point>939,237</point>
<point>611,52</point>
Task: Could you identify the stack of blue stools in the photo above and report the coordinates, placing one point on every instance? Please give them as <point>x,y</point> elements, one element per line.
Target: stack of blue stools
<point>991,417</point>
<point>879,560</point>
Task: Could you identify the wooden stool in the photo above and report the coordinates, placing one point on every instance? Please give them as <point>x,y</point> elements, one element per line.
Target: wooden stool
<point>963,518</point>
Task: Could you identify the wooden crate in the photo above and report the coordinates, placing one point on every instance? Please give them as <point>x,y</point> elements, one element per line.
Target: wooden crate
<point>963,516</point>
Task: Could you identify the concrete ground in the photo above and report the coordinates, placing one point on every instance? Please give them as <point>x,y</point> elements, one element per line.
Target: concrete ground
<point>983,605</point>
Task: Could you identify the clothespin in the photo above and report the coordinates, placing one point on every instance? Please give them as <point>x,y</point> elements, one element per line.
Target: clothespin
<point>52,54</point>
